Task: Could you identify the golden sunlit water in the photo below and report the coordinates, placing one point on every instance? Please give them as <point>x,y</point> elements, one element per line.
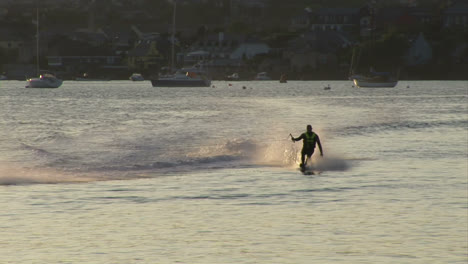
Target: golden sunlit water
<point>121,172</point>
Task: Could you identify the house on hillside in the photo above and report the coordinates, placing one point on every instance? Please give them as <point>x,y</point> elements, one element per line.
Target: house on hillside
<point>120,39</point>
<point>248,50</point>
<point>147,55</point>
<point>423,16</point>
<point>248,11</point>
<point>301,21</point>
<point>316,49</point>
<point>456,15</point>
<point>326,19</point>
<point>77,65</point>
<point>95,39</point>
<point>194,57</point>
<point>216,46</point>
<point>222,52</point>
<point>334,19</point>
<point>403,17</point>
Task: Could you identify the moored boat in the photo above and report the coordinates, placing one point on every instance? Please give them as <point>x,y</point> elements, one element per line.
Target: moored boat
<point>185,77</point>
<point>233,77</point>
<point>44,81</point>
<point>366,83</point>
<point>371,78</point>
<point>190,77</point>
<point>136,77</point>
<point>375,80</point>
<point>283,78</point>
<point>262,76</point>
<point>85,78</point>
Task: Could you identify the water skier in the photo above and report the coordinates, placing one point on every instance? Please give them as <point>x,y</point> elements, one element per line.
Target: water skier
<point>310,139</point>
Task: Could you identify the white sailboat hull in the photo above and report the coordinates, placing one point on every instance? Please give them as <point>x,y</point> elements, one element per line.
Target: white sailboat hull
<point>44,82</point>
<point>368,83</point>
<point>185,77</point>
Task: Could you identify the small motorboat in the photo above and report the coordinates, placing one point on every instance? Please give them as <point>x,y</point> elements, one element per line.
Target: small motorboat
<point>47,80</point>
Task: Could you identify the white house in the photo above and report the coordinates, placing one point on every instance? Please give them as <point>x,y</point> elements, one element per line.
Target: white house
<point>249,50</point>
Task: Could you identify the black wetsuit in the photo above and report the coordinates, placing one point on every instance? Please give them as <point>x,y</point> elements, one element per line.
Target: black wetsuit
<point>310,139</point>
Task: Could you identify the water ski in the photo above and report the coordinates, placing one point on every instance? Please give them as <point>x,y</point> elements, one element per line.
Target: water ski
<point>308,170</point>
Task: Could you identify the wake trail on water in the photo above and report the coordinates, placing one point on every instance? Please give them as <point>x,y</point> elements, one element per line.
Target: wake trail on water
<point>146,159</point>
<point>14,175</point>
<point>277,153</point>
<point>288,155</point>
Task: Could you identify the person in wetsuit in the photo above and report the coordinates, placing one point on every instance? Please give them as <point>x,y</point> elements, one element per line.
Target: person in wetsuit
<point>310,139</point>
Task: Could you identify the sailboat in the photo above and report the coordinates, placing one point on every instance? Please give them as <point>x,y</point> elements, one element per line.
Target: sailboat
<point>194,76</point>
<point>186,77</point>
<point>371,78</point>
<point>374,79</point>
<point>47,80</point>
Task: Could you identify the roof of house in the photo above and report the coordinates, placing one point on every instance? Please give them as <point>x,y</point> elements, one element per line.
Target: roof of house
<point>141,49</point>
<point>458,8</point>
<point>144,46</point>
<point>320,41</point>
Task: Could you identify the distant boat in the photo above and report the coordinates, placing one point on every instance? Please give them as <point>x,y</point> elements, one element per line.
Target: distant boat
<point>47,80</point>
<point>375,80</point>
<point>44,81</point>
<point>86,78</point>
<point>372,78</point>
<point>136,77</point>
<point>283,78</point>
<point>262,76</point>
<point>81,79</point>
<point>185,77</point>
<point>233,77</point>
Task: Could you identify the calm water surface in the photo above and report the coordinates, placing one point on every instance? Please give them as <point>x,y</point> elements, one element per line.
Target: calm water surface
<point>121,172</point>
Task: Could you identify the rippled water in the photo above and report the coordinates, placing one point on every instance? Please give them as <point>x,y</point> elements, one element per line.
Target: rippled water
<point>121,172</point>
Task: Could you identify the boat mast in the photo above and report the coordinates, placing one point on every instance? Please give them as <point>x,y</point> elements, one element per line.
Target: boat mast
<point>37,40</point>
<point>352,66</point>
<point>173,35</point>
<point>373,24</point>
